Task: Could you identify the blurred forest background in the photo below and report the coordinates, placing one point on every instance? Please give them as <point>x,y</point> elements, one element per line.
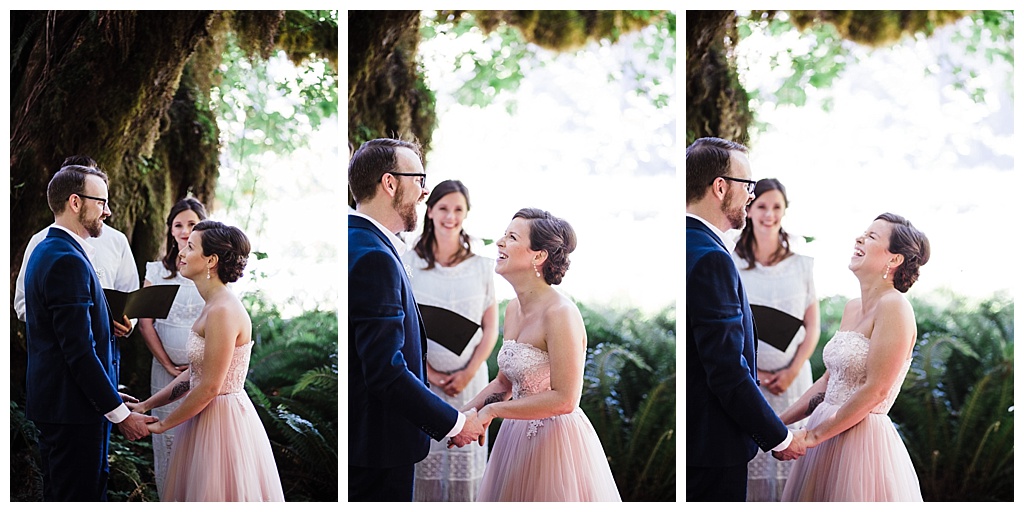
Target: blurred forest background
<point>222,106</point>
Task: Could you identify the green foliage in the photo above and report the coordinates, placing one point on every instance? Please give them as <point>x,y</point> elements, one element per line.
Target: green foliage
<point>510,47</point>
<point>131,469</point>
<point>293,381</point>
<point>26,477</point>
<point>822,51</point>
<point>955,409</point>
<point>261,112</point>
<point>629,395</point>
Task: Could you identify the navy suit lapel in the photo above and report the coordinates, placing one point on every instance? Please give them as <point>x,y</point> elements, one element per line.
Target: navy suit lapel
<point>60,233</point>
<point>692,223</point>
<point>359,222</point>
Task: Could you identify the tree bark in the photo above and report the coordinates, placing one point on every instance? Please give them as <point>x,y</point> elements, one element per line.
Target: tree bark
<point>105,84</point>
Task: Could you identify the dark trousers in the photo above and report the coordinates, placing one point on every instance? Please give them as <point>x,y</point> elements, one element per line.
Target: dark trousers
<point>74,461</point>
<point>380,484</point>
<point>716,484</point>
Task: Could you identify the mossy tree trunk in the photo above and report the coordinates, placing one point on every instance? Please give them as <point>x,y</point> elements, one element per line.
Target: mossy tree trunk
<point>107,84</point>
<point>387,96</point>
<point>716,103</point>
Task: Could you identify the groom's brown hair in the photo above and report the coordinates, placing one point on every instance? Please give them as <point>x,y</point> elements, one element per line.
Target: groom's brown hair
<point>706,159</point>
<point>370,162</point>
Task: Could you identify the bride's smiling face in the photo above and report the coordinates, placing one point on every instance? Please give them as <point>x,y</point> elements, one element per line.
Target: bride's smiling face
<point>871,249</point>
<point>514,253</point>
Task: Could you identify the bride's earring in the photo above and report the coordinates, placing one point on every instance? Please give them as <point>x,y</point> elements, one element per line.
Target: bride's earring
<point>208,273</point>
<point>886,274</point>
<point>535,271</point>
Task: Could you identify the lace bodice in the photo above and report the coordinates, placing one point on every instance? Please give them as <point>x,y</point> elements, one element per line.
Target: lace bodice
<point>527,366</point>
<point>529,369</point>
<point>237,370</point>
<point>846,357</point>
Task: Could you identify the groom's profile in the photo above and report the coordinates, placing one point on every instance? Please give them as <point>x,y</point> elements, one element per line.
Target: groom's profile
<point>727,417</point>
<point>392,414</point>
<point>73,357</point>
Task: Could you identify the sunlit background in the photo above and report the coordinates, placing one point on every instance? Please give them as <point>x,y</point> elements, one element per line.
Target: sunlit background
<point>581,143</point>
<point>900,137</point>
<point>289,203</point>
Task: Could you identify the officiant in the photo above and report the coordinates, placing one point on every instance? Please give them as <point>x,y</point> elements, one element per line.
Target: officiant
<point>454,290</point>
<point>780,287</point>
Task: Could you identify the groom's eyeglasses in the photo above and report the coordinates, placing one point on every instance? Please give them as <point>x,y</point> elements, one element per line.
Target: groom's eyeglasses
<point>422,177</point>
<point>103,202</point>
<point>747,183</point>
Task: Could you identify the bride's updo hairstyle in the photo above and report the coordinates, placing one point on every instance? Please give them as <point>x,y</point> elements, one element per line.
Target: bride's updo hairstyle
<point>912,244</point>
<point>229,244</point>
<point>551,234</point>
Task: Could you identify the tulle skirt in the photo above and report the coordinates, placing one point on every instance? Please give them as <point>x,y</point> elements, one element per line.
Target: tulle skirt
<point>868,462</point>
<point>554,459</point>
<point>223,454</point>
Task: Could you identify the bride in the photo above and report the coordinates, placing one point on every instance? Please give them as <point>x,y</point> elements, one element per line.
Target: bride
<point>546,448</point>
<point>854,451</point>
<point>221,452</point>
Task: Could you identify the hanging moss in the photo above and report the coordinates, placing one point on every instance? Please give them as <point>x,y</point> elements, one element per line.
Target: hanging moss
<point>566,30</point>
<point>256,31</point>
<point>386,91</point>
<point>305,33</point>
<point>716,103</point>
<point>877,28</point>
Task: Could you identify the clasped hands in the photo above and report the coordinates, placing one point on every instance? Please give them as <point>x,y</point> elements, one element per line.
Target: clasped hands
<point>796,449</point>
<point>135,426</point>
<point>475,428</point>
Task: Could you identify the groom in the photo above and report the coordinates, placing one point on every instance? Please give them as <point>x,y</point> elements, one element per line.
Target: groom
<point>392,414</point>
<point>727,417</point>
<point>73,358</point>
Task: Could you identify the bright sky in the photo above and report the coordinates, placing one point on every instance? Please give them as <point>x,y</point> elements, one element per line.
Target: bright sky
<point>579,146</point>
<point>902,141</point>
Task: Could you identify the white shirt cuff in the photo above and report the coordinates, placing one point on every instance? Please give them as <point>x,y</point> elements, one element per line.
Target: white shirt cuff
<point>785,443</point>
<point>458,425</point>
<point>118,415</point>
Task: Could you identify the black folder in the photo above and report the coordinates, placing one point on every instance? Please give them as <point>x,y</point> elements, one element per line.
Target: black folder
<point>775,327</point>
<point>448,328</point>
<point>147,302</point>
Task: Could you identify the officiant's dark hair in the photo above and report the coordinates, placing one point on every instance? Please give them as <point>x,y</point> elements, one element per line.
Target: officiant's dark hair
<point>745,245</point>
<point>551,234</point>
<point>909,241</point>
<point>170,259</point>
<point>706,159</point>
<point>370,162</point>
<point>229,244</point>
<point>425,245</point>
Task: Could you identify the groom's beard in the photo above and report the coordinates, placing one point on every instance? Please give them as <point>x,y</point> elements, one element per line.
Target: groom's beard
<point>94,226</point>
<point>737,216</point>
<point>406,211</point>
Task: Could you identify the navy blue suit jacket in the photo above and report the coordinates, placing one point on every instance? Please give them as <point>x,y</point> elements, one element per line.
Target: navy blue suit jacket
<point>73,358</point>
<point>727,417</point>
<point>391,413</point>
